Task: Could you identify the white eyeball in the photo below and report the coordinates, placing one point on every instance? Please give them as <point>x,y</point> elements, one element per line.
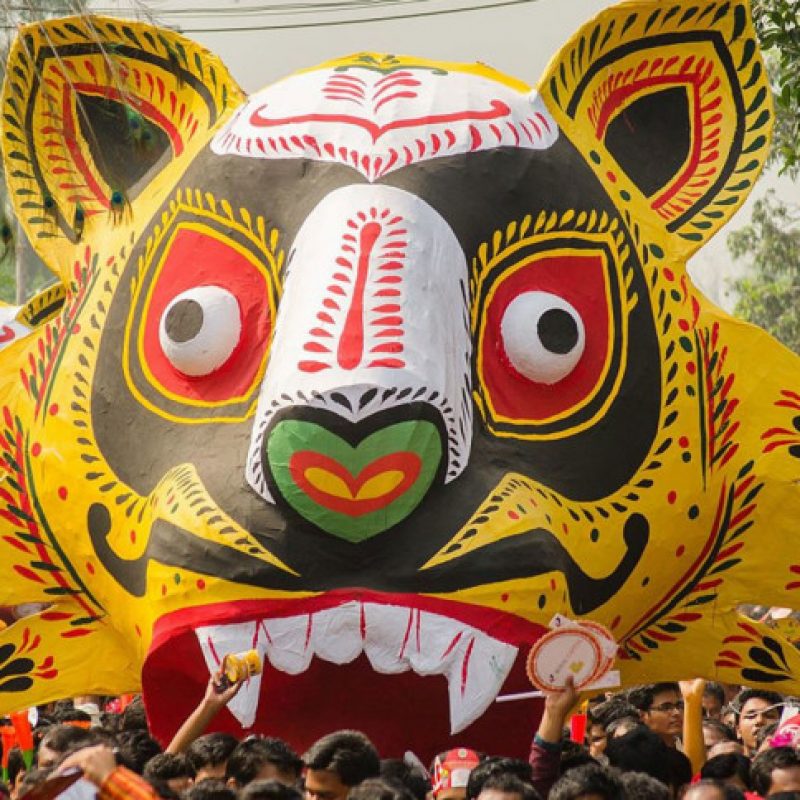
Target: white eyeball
<point>200,329</point>
<point>543,336</point>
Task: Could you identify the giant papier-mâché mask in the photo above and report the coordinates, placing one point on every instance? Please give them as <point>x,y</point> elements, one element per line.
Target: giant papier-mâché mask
<point>378,369</point>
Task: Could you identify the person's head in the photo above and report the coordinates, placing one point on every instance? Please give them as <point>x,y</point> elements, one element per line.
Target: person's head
<point>713,700</point>
<point>210,789</point>
<point>713,790</point>
<point>756,708</point>
<point>660,706</point>
<point>639,786</point>
<point>451,771</point>
<point>621,726</point>
<point>15,770</point>
<point>589,782</point>
<point>722,748</point>
<point>410,776</point>
<point>596,738</point>
<point>491,768</point>
<point>573,755</point>
<point>715,732</point>
<point>59,739</point>
<point>134,717</point>
<point>263,759</point>
<point>776,770</point>
<point>173,769</point>
<point>507,787</point>
<point>641,750</point>
<point>269,790</point>
<point>378,789</point>
<point>337,762</point>
<point>730,768</point>
<point>135,748</point>
<point>209,754</point>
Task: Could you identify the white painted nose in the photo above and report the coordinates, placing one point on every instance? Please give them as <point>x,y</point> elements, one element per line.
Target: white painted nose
<point>375,298</point>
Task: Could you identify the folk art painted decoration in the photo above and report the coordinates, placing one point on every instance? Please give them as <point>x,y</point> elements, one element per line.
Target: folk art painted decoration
<point>378,369</point>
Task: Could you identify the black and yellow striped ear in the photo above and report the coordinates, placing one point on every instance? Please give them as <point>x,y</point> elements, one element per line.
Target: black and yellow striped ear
<point>99,117</point>
<point>670,104</point>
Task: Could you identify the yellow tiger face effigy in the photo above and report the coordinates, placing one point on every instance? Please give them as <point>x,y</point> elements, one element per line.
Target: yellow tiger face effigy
<point>380,368</point>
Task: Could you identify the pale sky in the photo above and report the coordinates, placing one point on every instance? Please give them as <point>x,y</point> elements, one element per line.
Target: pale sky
<point>518,39</point>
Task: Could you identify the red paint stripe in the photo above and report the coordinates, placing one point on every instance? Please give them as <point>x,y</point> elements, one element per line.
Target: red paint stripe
<point>351,345</point>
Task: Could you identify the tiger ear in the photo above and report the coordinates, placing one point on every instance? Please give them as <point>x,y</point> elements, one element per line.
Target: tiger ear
<point>100,117</point>
<point>670,105</point>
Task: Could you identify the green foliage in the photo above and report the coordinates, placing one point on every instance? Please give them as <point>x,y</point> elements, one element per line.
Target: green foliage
<point>770,295</point>
<point>778,26</point>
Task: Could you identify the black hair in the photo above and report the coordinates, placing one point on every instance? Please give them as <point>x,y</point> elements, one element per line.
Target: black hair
<point>618,707</point>
<point>70,714</point>
<point>641,697</point>
<point>726,790</point>
<point>508,783</point>
<point>715,690</point>
<point>631,722</point>
<point>135,748</point>
<point>211,750</point>
<point>494,766</point>
<point>167,766</point>
<point>269,790</point>
<point>378,789</point>
<point>726,766</point>
<point>60,738</point>
<point>641,750</point>
<point>644,787</point>
<point>134,717</point>
<point>574,754</point>
<point>163,789</point>
<point>350,754</point>
<point>252,755</point>
<point>16,764</point>
<point>765,763</point>
<point>728,734</point>
<point>773,698</point>
<point>588,779</point>
<point>210,790</point>
<point>411,777</point>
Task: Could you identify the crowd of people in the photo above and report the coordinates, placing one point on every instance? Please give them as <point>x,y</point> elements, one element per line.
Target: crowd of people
<point>693,740</point>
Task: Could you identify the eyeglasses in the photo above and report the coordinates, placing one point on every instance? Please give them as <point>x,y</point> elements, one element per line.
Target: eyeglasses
<point>771,712</point>
<point>668,708</point>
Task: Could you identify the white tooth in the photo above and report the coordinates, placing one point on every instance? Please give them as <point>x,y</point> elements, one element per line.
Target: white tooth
<point>287,641</point>
<point>434,643</point>
<point>388,636</point>
<point>217,641</point>
<point>336,633</point>
<point>475,676</point>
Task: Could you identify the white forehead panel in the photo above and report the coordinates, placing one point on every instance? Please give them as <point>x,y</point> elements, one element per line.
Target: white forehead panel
<point>377,122</point>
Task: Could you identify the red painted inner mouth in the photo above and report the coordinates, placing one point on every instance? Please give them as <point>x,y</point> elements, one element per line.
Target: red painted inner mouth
<point>398,712</point>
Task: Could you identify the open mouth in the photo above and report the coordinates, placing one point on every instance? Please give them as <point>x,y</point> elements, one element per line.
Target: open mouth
<point>355,659</point>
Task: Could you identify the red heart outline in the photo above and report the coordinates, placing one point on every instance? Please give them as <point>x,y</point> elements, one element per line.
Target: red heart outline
<point>410,464</point>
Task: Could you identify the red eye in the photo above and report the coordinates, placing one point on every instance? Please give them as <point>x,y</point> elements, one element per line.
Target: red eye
<point>208,318</point>
<point>545,345</point>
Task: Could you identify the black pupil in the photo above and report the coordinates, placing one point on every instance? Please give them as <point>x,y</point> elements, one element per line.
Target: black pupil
<point>558,331</point>
<point>184,320</point>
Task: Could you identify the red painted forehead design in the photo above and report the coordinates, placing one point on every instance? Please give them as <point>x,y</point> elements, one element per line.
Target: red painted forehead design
<point>377,121</point>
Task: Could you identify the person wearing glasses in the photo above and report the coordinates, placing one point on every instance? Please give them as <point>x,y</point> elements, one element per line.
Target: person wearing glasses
<point>661,709</point>
<point>756,708</point>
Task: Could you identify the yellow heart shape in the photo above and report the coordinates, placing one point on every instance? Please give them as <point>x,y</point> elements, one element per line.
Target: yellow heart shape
<point>576,667</point>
